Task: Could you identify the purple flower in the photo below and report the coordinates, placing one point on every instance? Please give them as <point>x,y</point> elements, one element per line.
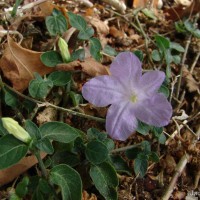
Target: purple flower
<point>132,96</point>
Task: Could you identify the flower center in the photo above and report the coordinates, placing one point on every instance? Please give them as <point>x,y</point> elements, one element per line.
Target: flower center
<point>133,98</point>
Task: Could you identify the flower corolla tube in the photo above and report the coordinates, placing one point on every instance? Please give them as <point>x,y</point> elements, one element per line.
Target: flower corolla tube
<point>132,95</point>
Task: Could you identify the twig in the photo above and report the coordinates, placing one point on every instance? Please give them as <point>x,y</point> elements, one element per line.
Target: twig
<point>46,104</point>
<point>119,5</point>
<point>146,39</point>
<point>125,148</point>
<point>182,65</point>
<point>195,62</point>
<point>179,169</point>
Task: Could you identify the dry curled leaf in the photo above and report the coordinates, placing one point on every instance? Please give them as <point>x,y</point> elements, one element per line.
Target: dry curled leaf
<point>101,26</point>
<point>191,83</point>
<point>86,196</point>
<point>89,66</point>
<point>175,13</point>
<point>11,173</point>
<point>18,65</point>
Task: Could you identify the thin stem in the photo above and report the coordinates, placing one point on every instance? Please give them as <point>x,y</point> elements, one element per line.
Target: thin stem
<point>41,104</point>
<point>125,148</point>
<point>182,66</point>
<point>41,163</point>
<point>145,39</point>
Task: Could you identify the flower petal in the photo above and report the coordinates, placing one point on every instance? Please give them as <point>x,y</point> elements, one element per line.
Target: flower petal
<point>103,90</point>
<point>120,121</point>
<point>155,111</point>
<point>150,82</point>
<point>126,66</point>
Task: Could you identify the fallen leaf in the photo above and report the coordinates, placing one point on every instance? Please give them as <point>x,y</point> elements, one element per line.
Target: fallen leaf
<point>191,83</point>
<point>175,13</point>
<point>145,3</point>
<point>18,65</point>
<point>9,174</point>
<point>116,33</point>
<point>89,66</point>
<point>101,26</point>
<point>86,196</point>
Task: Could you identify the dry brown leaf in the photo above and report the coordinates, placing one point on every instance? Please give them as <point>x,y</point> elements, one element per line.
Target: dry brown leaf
<point>47,8</point>
<point>101,26</point>
<point>116,33</point>
<point>86,196</point>
<point>9,174</point>
<point>145,3</point>
<point>175,13</point>
<point>191,83</point>
<point>89,66</point>
<point>18,65</point>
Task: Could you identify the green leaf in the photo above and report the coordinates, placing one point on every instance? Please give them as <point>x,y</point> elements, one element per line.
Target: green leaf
<point>189,26</point>
<point>109,50</point>
<point>68,180</point>
<point>146,146</point>
<point>65,157</point>
<point>56,24</point>
<point>109,144</point>
<point>95,48</point>
<point>59,131</point>
<point>11,99</point>
<point>51,58</point>
<point>32,129</point>
<point>39,88</point>
<point>22,187</point>
<point>96,152</point>
<point>60,78</point>
<point>44,186</point>
<point>176,59</point>
<point>140,166</point>
<point>162,138</point>
<point>77,21</point>
<point>120,164</point>
<point>139,54</point>
<point>177,47</point>
<point>12,151</point>
<point>86,34</point>
<point>196,33</point>
<point>143,128</point>
<point>163,89</point>
<point>132,153</point>
<point>94,133</point>
<point>158,133</point>
<point>105,180</point>
<point>154,157</point>
<point>3,131</point>
<point>149,13</point>
<point>156,55</point>
<point>78,55</point>
<point>162,43</point>
<point>45,145</point>
<point>76,98</point>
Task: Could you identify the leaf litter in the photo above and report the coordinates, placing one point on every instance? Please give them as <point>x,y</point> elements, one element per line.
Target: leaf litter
<point>181,152</point>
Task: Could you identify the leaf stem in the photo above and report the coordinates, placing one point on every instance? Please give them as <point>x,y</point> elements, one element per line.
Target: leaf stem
<point>41,164</point>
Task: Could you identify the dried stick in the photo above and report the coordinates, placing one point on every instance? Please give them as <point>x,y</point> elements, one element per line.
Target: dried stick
<point>179,169</point>
<point>118,5</point>
<point>182,66</point>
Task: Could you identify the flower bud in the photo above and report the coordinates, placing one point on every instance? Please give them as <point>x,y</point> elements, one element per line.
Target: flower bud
<point>64,51</point>
<point>15,129</point>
